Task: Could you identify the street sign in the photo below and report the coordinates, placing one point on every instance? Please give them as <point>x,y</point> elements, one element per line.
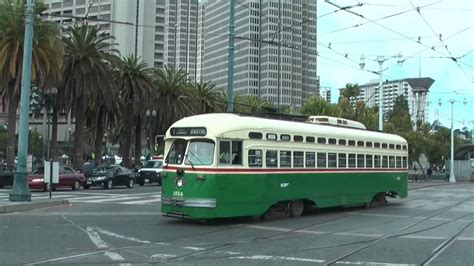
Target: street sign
<point>55,172</point>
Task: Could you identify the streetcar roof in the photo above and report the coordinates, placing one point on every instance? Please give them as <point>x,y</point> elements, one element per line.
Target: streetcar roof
<point>218,125</point>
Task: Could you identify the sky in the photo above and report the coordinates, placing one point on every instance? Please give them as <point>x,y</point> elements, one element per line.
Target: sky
<point>395,30</point>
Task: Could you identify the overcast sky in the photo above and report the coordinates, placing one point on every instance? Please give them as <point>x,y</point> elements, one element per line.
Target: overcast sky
<point>396,30</point>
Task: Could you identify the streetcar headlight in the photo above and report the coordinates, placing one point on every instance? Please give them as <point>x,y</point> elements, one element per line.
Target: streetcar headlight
<point>180,182</point>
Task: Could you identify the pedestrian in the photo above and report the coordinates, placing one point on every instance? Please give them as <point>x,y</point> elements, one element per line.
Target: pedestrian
<point>429,172</point>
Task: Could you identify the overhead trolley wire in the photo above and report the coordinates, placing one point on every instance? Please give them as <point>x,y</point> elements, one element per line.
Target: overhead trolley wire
<point>418,10</point>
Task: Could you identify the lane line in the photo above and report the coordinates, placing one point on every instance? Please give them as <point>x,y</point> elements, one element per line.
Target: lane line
<point>116,199</point>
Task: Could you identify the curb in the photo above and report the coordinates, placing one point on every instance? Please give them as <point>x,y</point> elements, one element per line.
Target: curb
<point>31,206</point>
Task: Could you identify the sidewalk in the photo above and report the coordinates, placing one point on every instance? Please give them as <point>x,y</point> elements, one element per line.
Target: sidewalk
<point>7,206</point>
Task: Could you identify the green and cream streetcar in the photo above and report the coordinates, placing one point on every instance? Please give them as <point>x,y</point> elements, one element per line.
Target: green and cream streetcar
<point>229,165</point>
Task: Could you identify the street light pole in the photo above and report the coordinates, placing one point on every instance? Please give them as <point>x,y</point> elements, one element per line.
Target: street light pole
<point>69,144</point>
<point>230,58</point>
<point>380,60</point>
<point>452,179</point>
<point>20,190</point>
<point>151,123</point>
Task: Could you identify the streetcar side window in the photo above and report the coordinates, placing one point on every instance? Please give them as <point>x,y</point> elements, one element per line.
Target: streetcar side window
<point>332,141</point>
<point>298,138</point>
<point>368,144</point>
<point>405,162</point>
<point>391,162</point>
<point>342,158</point>
<point>255,158</point>
<point>368,161</point>
<point>310,160</point>
<point>285,158</point>
<point>237,152</point>
<point>360,143</point>
<point>255,135</point>
<point>399,162</point>
<point>384,145</point>
<point>310,139</point>
<point>360,161</point>
<point>298,159</point>
<point>376,145</point>
<point>332,160</point>
<point>285,137</point>
<point>271,159</point>
<point>224,152</point>
<point>321,140</point>
<point>385,161</point>
<point>391,146</point>
<point>342,142</point>
<point>321,160</point>
<point>377,161</point>
<point>352,160</point>
<point>352,143</point>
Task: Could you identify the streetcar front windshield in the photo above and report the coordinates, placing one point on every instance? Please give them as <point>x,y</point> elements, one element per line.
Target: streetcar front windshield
<point>176,153</point>
<point>200,152</point>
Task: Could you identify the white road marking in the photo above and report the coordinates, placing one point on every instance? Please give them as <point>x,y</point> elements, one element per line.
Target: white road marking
<point>466,238</point>
<point>95,238</point>
<point>105,232</point>
<point>357,234</point>
<point>269,228</point>
<point>227,252</point>
<point>85,198</point>
<point>120,198</point>
<point>264,257</point>
<point>423,237</point>
<point>311,232</point>
<point>142,201</point>
<point>380,215</point>
<point>114,256</point>
<point>372,263</point>
<point>194,248</point>
<point>162,256</point>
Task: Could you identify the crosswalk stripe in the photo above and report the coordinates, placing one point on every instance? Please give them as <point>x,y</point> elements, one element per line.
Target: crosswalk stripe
<point>141,201</point>
<point>110,199</point>
<point>86,198</point>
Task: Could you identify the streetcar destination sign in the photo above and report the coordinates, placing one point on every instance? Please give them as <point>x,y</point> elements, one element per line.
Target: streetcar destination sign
<point>188,131</point>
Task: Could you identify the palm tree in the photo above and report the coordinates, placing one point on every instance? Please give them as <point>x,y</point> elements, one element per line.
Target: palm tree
<point>88,57</point>
<point>135,84</point>
<point>173,97</point>
<point>46,57</point>
<point>206,98</point>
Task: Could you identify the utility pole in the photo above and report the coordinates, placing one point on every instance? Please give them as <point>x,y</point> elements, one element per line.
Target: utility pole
<point>20,190</point>
<point>230,58</point>
<point>279,54</point>
<point>136,27</point>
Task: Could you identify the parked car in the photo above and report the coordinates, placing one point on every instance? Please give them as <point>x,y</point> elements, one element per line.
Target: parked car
<point>67,178</point>
<point>151,171</point>
<point>6,175</point>
<point>108,176</point>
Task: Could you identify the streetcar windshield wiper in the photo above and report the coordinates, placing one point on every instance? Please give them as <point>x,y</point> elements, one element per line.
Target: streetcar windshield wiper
<point>189,160</point>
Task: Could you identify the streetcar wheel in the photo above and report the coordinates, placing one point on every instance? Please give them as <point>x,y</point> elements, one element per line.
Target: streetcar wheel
<point>296,208</point>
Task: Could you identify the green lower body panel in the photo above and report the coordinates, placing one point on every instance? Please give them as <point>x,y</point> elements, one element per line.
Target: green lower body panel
<point>207,196</point>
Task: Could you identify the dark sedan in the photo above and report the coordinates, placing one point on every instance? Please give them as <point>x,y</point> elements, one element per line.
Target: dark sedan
<point>6,176</point>
<point>110,176</point>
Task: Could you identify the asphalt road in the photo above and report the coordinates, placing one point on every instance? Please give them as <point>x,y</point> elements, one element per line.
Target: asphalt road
<point>433,225</point>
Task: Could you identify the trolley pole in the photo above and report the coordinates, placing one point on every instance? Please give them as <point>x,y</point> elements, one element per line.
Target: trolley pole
<point>20,190</point>
<point>230,64</point>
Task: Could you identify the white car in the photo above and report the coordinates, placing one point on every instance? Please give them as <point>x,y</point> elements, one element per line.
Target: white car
<point>151,171</point>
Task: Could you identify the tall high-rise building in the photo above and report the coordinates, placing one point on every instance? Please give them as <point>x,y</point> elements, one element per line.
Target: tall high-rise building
<point>167,29</point>
<point>275,49</point>
<point>415,90</point>
<point>180,38</point>
<point>325,93</point>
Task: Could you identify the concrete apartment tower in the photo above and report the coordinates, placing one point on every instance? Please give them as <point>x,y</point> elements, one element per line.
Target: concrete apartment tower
<point>269,34</point>
<point>415,90</point>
